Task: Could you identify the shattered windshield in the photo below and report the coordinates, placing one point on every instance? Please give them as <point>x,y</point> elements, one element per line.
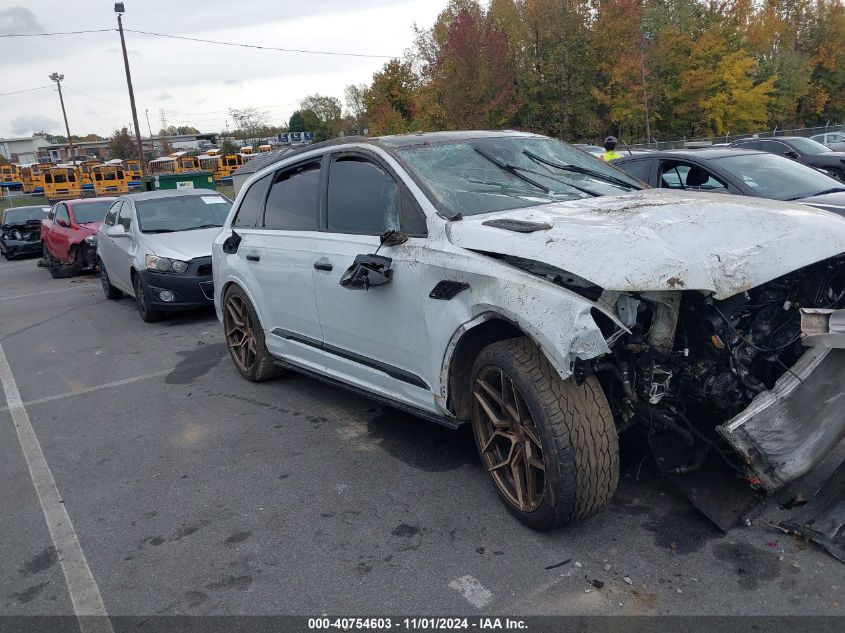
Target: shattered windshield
<point>475,176</point>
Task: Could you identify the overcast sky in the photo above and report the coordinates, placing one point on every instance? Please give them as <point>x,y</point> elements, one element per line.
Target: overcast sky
<point>194,83</point>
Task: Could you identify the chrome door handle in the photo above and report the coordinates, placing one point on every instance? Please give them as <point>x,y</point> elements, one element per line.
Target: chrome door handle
<point>253,257</point>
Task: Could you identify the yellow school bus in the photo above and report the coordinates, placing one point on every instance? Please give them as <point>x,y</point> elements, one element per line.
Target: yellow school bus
<point>176,163</point>
<point>110,180</point>
<point>209,162</point>
<point>247,149</point>
<point>61,182</point>
<point>265,148</point>
<point>222,166</point>
<point>10,176</point>
<point>133,166</point>
<point>83,170</point>
<point>32,177</point>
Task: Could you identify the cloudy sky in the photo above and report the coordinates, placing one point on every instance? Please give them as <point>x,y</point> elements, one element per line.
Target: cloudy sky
<point>192,83</point>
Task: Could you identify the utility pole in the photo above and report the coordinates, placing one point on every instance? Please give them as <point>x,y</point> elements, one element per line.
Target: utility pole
<point>149,127</point>
<point>58,79</point>
<point>119,9</point>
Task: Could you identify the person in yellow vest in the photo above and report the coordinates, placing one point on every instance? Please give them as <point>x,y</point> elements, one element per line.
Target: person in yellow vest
<point>610,149</point>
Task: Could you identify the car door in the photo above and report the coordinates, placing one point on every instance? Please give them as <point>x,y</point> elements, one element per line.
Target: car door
<point>639,168</point>
<point>277,220</point>
<point>60,238</point>
<point>374,338</point>
<point>123,250</point>
<point>105,243</point>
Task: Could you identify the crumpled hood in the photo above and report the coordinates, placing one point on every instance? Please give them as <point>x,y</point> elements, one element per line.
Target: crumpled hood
<point>659,239</point>
<point>184,245</point>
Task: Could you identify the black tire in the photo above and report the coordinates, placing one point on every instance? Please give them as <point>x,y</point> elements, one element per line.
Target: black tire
<point>112,293</point>
<point>148,314</point>
<point>574,425</point>
<point>261,366</point>
<point>59,271</point>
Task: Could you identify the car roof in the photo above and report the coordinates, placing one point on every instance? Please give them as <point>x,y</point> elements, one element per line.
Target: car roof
<point>425,138</point>
<point>43,207</point>
<point>706,154</point>
<point>171,193</point>
<point>75,201</point>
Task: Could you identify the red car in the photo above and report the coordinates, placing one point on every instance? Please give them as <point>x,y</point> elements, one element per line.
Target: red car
<point>69,235</point>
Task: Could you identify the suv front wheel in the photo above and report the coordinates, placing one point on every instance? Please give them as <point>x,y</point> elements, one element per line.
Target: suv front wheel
<point>549,445</point>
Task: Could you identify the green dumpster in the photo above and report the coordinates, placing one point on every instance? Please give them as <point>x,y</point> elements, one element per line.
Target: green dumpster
<point>186,180</point>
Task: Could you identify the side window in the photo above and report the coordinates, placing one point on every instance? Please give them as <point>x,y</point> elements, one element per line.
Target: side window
<point>362,197</point>
<point>111,215</point>
<point>686,176</point>
<point>62,214</point>
<point>774,147</point>
<point>293,200</point>
<point>252,203</point>
<point>124,217</point>
<point>51,213</point>
<point>48,178</point>
<point>640,169</point>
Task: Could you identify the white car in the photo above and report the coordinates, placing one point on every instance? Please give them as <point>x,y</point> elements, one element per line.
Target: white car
<point>834,140</point>
<point>156,247</point>
<point>508,280</point>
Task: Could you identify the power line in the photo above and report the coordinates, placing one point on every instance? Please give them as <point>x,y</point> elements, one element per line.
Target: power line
<point>56,33</point>
<point>17,92</point>
<point>85,94</point>
<point>264,48</point>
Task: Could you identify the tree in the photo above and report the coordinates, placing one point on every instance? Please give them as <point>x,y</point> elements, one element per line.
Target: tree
<point>355,97</point>
<point>121,145</point>
<point>249,123</point>
<point>322,114</point>
<point>391,99</point>
<point>297,122</point>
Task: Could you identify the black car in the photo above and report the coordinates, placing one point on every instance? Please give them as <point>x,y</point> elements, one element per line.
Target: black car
<point>804,150</point>
<point>20,232</point>
<point>738,171</point>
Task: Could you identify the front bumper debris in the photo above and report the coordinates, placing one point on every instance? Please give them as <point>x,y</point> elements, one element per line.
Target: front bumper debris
<point>822,520</point>
<point>823,328</point>
<point>785,432</point>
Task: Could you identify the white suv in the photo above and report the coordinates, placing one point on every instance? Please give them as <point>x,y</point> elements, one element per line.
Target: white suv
<point>514,282</point>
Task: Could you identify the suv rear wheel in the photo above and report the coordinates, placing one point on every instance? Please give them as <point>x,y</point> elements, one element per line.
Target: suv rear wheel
<point>245,337</point>
<point>549,445</point>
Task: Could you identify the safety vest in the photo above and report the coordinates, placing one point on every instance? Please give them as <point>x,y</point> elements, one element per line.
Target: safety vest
<point>611,155</point>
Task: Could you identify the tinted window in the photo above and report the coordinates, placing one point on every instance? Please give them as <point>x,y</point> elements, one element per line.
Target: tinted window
<point>776,177</point>
<point>252,203</point>
<point>111,216</point>
<point>685,176</point>
<point>292,203</point>
<point>637,168</point>
<point>124,218</point>
<point>362,197</point>
<point>774,147</point>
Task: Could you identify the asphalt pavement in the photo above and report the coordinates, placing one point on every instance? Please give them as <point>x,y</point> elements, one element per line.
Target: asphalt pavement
<point>192,491</point>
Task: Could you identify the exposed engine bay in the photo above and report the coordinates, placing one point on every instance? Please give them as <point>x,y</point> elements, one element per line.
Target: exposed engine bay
<point>689,363</point>
<point>30,231</point>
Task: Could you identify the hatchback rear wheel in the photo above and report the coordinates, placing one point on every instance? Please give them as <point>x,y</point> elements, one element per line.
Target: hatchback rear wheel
<point>245,337</point>
<point>548,445</point>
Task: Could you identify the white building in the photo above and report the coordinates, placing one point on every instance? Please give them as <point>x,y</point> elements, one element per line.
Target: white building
<point>22,150</point>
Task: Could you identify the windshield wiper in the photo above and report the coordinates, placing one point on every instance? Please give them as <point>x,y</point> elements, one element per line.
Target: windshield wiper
<point>579,170</point>
<point>515,171</point>
<point>158,231</point>
<point>208,226</point>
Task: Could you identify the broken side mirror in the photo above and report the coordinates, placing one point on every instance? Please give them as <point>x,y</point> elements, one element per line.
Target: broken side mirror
<point>367,271</point>
<point>392,238</point>
<point>231,243</point>
<point>62,222</point>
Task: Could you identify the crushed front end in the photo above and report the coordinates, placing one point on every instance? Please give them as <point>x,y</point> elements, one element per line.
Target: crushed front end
<point>21,239</point>
<point>732,378</point>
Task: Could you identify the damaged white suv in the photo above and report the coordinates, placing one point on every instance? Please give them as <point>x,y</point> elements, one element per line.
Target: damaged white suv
<point>511,281</point>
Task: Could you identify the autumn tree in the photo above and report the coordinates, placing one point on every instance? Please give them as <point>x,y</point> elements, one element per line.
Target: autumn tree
<point>249,123</point>
<point>121,145</point>
<point>322,115</point>
<point>391,98</point>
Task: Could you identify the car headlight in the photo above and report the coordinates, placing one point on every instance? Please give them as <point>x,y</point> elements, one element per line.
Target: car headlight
<point>164,264</point>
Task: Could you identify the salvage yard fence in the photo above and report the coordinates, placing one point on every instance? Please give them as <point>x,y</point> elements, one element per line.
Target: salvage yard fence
<point>727,138</point>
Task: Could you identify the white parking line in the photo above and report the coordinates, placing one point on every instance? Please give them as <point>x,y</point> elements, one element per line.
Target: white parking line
<point>84,593</point>
<point>45,292</point>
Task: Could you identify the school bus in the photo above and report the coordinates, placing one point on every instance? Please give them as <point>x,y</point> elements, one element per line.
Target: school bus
<point>32,177</point>
<point>10,176</point>
<point>61,182</point>
<point>110,180</point>
<point>247,149</point>
<point>133,166</point>
<point>83,168</point>
<point>211,163</point>
<point>265,148</point>
<point>176,163</point>
<point>222,166</point>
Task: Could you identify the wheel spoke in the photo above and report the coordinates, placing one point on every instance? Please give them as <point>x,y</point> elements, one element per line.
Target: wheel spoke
<point>494,418</point>
<point>518,475</point>
<point>497,397</point>
<point>508,436</point>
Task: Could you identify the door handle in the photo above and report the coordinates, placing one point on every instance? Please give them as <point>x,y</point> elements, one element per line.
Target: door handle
<point>323,264</point>
<point>253,257</point>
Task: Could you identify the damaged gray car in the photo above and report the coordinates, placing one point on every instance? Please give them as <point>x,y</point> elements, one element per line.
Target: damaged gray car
<point>509,281</point>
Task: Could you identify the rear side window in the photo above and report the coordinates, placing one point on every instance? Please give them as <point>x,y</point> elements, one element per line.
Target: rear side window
<point>640,169</point>
<point>111,214</point>
<point>252,203</point>
<point>294,198</point>
<point>362,197</point>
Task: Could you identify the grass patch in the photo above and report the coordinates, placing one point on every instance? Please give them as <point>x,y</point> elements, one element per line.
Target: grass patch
<point>23,201</point>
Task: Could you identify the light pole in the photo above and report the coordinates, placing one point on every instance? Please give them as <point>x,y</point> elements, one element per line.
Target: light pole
<point>119,9</point>
<point>58,79</point>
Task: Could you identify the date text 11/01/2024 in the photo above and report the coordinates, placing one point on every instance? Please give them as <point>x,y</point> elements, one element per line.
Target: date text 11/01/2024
<point>418,623</point>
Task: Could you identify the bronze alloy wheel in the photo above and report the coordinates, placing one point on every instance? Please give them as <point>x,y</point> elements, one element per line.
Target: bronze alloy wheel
<point>508,439</point>
<point>240,332</point>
